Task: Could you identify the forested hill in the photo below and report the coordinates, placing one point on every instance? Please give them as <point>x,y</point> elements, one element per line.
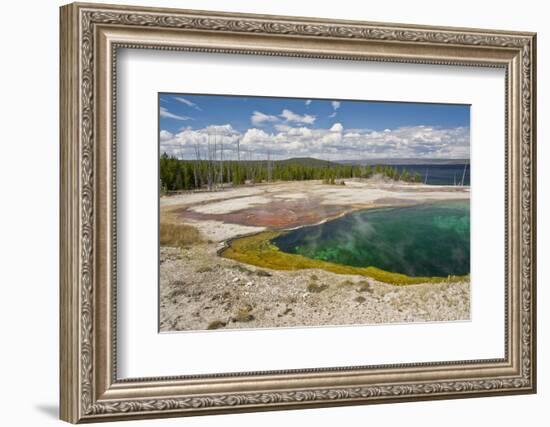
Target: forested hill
<point>306,161</point>
<point>176,175</point>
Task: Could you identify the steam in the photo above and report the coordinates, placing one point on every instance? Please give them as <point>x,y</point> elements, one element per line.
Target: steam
<point>422,240</point>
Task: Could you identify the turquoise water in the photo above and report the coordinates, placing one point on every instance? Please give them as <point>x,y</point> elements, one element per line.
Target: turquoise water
<point>424,240</point>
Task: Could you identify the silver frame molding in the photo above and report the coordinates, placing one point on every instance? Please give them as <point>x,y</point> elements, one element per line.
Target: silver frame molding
<point>90,37</point>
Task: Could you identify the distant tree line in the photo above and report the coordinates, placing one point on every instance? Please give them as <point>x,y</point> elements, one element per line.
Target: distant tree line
<point>176,175</point>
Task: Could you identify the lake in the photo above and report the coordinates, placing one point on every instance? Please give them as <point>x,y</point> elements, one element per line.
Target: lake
<point>423,240</point>
<point>439,174</point>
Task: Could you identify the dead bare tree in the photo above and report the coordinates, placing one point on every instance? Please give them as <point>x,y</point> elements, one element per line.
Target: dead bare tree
<point>221,175</point>
<point>211,152</point>
<point>269,166</point>
<point>463,175</point>
<point>247,164</point>
<point>228,169</point>
<point>196,165</point>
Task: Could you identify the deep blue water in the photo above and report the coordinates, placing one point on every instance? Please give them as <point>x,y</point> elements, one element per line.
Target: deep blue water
<point>439,174</point>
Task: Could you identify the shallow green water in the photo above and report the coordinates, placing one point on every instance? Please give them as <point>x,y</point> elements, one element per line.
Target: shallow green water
<point>423,240</point>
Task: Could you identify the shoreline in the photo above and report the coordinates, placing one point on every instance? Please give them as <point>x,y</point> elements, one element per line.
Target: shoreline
<point>385,276</point>
<point>261,253</point>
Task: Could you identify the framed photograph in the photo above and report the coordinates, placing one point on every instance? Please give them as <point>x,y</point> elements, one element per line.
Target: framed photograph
<point>267,212</point>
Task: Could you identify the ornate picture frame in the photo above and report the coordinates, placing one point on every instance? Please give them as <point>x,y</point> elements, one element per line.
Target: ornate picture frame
<point>90,37</point>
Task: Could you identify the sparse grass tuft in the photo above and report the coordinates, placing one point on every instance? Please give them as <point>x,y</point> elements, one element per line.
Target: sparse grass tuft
<point>364,286</point>
<point>314,287</point>
<point>216,324</point>
<point>174,293</point>
<point>178,235</point>
<point>244,314</point>
<point>204,269</point>
<point>178,288</point>
<point>243,269</point>
<point>347,283</point>
<point>177,283</point>
<point>263,273</point>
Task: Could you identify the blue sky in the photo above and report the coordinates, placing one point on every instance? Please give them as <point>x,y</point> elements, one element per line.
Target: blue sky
<point>329,129</point>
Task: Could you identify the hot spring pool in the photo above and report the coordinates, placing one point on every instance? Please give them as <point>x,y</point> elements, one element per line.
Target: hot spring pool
<point>424,240</point>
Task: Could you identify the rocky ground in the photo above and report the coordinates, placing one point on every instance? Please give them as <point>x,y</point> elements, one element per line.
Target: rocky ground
<point>199,290</point>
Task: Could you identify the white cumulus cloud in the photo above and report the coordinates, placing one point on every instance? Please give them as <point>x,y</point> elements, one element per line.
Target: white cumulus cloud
<point>290,116</point>
<point>325,143</point>
<point>258,118</point>
<point>165,135</point>
<point>335,106</point>
<point>337,127</point>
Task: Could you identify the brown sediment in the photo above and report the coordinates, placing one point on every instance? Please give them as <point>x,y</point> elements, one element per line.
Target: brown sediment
<point>277,215</point>
<point>286,205</point>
